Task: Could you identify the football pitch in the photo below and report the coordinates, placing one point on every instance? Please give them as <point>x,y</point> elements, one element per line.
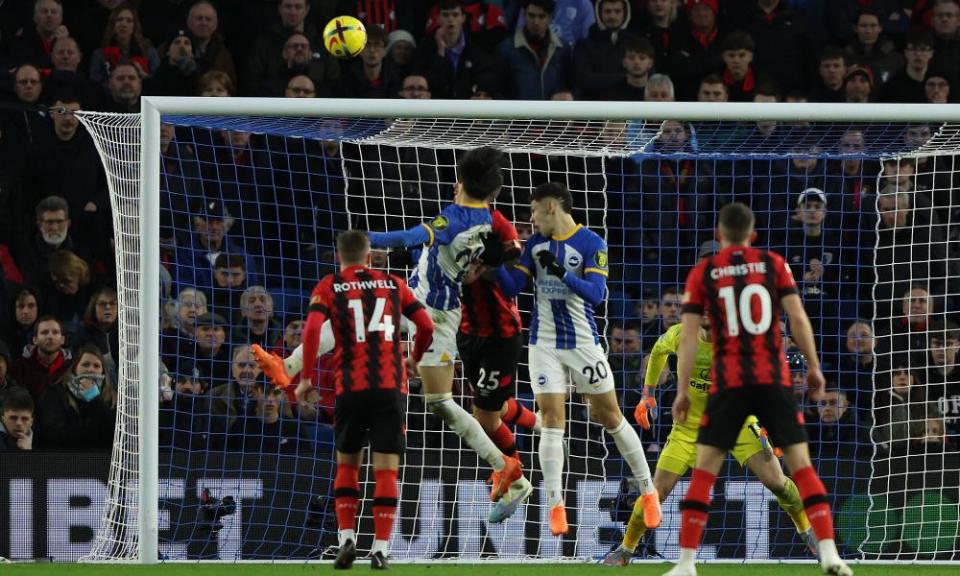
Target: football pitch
<point>443,568</point>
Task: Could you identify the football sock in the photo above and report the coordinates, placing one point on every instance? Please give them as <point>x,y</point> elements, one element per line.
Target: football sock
<point>518,414</point>
<point>294,362</point>
<point>792,504</point>
<point>384,508</point>
<point>635,527</point>
<point>694,509</point>
<point>346,491</point>
<point>504,440</point>
<point>551,463</point>
<point>628,443</point>
<point>815,501</point>
<point>466,427</point>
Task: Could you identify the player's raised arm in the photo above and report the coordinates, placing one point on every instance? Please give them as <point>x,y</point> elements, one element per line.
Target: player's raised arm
<point>513,278</point>
<point>419,234</point>
<point>646,409</point>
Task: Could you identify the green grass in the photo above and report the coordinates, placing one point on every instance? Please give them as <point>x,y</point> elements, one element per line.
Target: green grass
<point>442,569</point>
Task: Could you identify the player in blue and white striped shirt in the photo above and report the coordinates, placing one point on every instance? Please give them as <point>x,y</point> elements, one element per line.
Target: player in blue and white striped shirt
<point>568,264</point>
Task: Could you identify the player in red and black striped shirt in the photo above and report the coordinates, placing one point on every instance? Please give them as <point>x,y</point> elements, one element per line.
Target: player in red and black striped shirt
<point>490,341</point>
<point>364,307</point>
<point>744,289</point>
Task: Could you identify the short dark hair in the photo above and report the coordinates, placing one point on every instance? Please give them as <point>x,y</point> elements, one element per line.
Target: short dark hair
<point>736,221</point>
<point>712,78</point>
<point>919,37</point>
<point>943,329</point>
<point>737,40</point>
<point>450,4</point>
<point>481,172</point>
<point>352,246</point>
<point>767,87</point>
<point>832,53</point>
<point>225,260</point>
<point>670,289</point>
<point>52,204</point>
<point>556,190</point>
<point>639,44</point>
<point>376,34</point>
<point>16,398</point>
<point>47,318</point>
<point>548,6</point>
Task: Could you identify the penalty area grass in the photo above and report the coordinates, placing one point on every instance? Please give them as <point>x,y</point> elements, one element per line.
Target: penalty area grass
<point>444,568</point>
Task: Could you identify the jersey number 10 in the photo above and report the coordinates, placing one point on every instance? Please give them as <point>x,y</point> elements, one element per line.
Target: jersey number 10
<point>744,316</point>
<point>378,322</point>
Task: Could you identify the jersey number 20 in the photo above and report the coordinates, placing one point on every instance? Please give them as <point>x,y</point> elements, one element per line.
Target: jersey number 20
<point>741,313</point>
<point>379,322</point>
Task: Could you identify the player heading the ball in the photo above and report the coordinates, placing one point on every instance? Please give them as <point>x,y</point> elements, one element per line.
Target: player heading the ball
<point>568,264</point>
<point>744,289</point>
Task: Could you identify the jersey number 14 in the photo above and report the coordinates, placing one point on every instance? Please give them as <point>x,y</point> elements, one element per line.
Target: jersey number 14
<point>379,322</point>
<point>741,313</point>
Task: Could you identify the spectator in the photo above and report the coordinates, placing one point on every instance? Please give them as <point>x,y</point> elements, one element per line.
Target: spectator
<point>936,87</point>
<point>67,77</point>
<point>185,410</point>
<point>16,420</point>
<point>211,352</point>
<point>215,84</point>
<point>28,85</point>
<point>834,433</point>
<point>401,49</point>
<point>235,398</point>
<point>942,380</point>
<point>852,179</point>
<point>907,332</point>
<point>416,87</point>
<point>45,360</point>
<point>900,402</point>
<point>484,22</point>
<point>946,29</point>
<point>101,328</point>
<point>300,87</point>
<point>783,45</point>
<point>697,52</point>
<point>66,292</point>
<point>262,56</point>
<point>638,61</point>
<point>53,224</point>
<point>32,43</point>
<point>661,26</point>
<point>229,284</point>
<point>907,85</point>
<point>257,324</point>
<point>856,363</point>
<point>598,58</point>
<point>124,89</point>
<point>272,430</point>
<point>535,63</point>
<point>177,73</point>
<point>812,250</point>
<point>571,20</point>
<point>738,75</point>
<point>659,89</point>
<point>626,355</point>
<point>176,341</point>
<point>871,48</point>
<point>7,382</point>
<point>80,408</point>
<point>24,314</point>
<point>292,336</point>
<point>123,43</point>
<point>211,223</point>
<point>841,17</point>
<point>209,49</point>
<point>764,93</point>
<point>858,85</point>
<point>712,89</point>
<point>934,174</point>
<point>832,72</point>
<point>931,437</point>
<point>23,129</point>
<point>366,76</point>
<point>453,63</point>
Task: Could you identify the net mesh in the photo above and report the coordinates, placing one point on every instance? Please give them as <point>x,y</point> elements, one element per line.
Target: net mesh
<point>287,185</point>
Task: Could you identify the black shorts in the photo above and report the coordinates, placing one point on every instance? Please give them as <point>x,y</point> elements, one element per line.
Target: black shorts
<point>490,365</point>
<point>774,405</point>
<point>375,415</point>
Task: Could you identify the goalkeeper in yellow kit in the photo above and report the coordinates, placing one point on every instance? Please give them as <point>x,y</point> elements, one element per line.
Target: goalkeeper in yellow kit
<point>679,455</point>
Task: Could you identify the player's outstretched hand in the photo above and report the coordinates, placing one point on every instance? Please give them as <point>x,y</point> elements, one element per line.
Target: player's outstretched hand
<point>492,255</point>
<point>815,384</point>
<point>645,412</point>
<point>681,406</point>
<point>549,263</point>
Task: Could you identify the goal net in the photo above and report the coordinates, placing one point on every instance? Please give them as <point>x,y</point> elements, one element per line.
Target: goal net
<point>248,210</point>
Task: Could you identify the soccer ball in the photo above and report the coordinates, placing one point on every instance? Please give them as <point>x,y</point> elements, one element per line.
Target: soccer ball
<point>344,36</point>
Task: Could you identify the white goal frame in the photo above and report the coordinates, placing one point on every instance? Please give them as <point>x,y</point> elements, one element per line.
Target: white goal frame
<point>152,107</point>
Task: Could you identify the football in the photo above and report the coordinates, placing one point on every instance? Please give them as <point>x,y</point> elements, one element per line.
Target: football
<point>344,36</point>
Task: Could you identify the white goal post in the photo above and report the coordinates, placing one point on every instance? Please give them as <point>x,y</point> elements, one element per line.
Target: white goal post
<point>616,114</point>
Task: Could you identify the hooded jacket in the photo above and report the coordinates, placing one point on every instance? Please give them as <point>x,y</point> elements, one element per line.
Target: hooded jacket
<point>598,58</point>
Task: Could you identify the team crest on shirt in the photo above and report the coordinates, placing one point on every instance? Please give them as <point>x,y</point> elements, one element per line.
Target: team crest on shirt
<point>601,259</point>
<point>573,261</point>
<point>440,223</point>
<point>542,380</point>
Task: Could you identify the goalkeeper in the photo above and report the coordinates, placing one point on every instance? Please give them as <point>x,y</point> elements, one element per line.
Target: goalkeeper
<point>752,451</point>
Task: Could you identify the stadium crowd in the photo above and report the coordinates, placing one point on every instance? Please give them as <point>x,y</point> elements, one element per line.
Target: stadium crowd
<point>241,247</point>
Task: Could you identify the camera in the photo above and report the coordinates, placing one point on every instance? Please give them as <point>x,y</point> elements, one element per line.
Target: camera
<point>212,509</point>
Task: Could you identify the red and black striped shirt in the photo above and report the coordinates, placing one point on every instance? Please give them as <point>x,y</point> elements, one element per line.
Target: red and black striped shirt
<point>364,308</point>
<point>485,311</point>
<point>741,288</point>
<point>383,13</point>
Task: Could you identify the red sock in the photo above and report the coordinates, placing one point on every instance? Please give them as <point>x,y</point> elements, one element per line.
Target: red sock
<point>384,503</point>
<point>346,490</point>
<point>519,414</point>
<point>694,508</point>
<point>815,501</point>
<point>504,440</point>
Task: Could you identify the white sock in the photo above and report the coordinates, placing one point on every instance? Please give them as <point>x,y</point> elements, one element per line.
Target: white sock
<point>628,443</point>
<point>687,556</point>
<point>828,551</point>
<point>294,362</point>
<point>551,463</point>
<point>344,535</point>
<point>467,428</point>
<point>381,546</point>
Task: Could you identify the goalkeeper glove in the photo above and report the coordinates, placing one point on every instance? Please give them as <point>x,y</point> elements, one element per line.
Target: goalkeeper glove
<point>549,263</point>
<point>492,255</point>
<point>645,412</point>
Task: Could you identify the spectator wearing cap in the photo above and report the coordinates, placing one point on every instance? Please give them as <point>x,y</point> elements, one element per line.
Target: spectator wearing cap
<point>53,234</point>
<point>783,47</point>
<point>32,43</point>
<point>858,84</point>
<point>870,47</point>
<point>942,376</point>
<point>257,324</point>
<point>401,49</point>
<point>16,420</point>
<point>831,72</point>
<point>454,63</point>
<point>194,261</point>
<point>697,52</point>
<point>366,76</point>
<point>80,409</point>
<point>598,58</point>
<point>123,42</point>
<point>907,85</point>
<point>211,352</point>
<point>638,61</point>
<point>45,360</point>
<point>535,62</point>
<point>184,409</point>
<point>177,73</point>
<point>813,250</point>
<point>269,44</point>
<point>946,30</point>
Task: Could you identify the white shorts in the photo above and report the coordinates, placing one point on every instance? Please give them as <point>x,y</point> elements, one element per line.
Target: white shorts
<point>443,349</point>
<point>587,366</point>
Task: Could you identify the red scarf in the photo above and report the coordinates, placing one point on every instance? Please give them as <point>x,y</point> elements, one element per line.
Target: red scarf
<point>705,38</point>
<point>746,85</point>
